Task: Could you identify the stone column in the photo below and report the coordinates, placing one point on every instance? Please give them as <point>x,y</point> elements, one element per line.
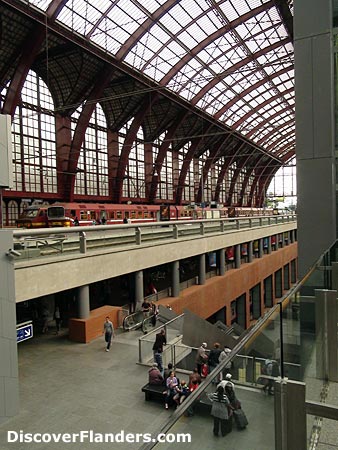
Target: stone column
<point>250,251</point>
<point>201,277</point>
<point>237,256</point>
<point>9,381</point>
<point>221,259</point>
<point>139,294</point>
<point>175,279</point>
<point>83,304</point>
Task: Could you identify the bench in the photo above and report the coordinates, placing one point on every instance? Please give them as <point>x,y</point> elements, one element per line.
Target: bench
<point>154,392</point>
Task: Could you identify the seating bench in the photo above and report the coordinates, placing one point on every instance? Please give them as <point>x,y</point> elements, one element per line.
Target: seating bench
<point>154,392</point>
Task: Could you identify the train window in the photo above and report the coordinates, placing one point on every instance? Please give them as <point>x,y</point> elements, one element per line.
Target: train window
<point>132,214</point>
<point>83,215</point>
<point>118,215</point>
<point>139,214</point>
<point>92,214</point>
<point>146,214</point>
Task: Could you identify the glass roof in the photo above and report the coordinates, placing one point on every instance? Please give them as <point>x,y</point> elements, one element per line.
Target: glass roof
<point>233,59</point>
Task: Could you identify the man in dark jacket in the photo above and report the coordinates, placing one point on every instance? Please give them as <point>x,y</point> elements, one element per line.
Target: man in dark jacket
<point>160,341</point>
<point>213,360</point>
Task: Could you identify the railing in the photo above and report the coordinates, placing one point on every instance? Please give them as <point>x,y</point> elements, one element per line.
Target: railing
<point>46,242</point>
<point>300,334</point>
<point>173,329</point>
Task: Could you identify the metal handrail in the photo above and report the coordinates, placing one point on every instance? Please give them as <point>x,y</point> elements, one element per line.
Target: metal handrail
<point>136,324</point>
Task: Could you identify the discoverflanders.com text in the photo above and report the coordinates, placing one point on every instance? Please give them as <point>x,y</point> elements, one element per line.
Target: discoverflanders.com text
<point>93,437</point>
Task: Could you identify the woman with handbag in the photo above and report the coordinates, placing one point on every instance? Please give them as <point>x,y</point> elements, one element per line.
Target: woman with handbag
<point>221,411</point>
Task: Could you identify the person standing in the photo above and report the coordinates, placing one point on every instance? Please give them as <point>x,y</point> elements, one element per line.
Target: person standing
<point>108,330</point>
<point>220,411</point>
<point>223,355</point>
<point>202,357</point>
<point>160,341</point>
<point>213,360</point>
<point>57,317</point>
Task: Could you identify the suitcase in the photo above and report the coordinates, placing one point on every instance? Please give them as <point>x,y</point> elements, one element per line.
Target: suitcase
<point>240,419</point>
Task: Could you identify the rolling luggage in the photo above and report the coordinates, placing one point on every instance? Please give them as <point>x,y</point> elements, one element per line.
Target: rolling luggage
<point>240,419</point>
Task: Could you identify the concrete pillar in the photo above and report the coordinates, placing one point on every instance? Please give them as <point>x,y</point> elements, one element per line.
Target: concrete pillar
<point>315,98</point>
<point>237,256</point>
<point>175,281</point>
<point>201,277</point>
<point>326,334</point>
<point>83,304</point>
<point>260,248</point>
<point>9,381</point>
<point>221,259</point>
<point>277,242</point>
<point>269,245</point>
<point>290,415</point>
<point>250,251</point>
<point>139,294</point>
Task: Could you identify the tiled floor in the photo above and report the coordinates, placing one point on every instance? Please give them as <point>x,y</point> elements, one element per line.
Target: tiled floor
<point>67,387</point>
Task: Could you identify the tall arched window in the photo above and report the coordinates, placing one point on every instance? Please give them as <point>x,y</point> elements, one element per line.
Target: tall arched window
<point>33,133</point>
<point>92,175</point>
<point>165,180</point>
<point>134,178</point>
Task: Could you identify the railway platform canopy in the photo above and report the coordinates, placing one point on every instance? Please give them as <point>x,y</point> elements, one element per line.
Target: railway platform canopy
<point>204,81</point>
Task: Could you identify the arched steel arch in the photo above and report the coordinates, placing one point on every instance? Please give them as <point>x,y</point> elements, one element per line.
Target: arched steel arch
<point>258,107</point>
<point>162,154</point>
<point>267,121</point>
<point>195,142</point>
<point>29,52</point>
<point>253,87</point>
<point>80,131</point>
<point>144,28</point>
<point>214,153</point>
<point>235,67</point>
<point>208,40</point>
<point>128,142</point>
<point>229,159</point>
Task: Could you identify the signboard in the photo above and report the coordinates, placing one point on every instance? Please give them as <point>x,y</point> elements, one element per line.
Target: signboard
<point>24,331</point>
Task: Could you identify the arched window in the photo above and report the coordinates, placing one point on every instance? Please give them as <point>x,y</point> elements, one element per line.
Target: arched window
<point>282,191</point>
<point>33,133</point>
<point>165,189</point>
<point>134,178</point>
<point>13,213</point>
<point>92,175</point>
<point>188,191</point>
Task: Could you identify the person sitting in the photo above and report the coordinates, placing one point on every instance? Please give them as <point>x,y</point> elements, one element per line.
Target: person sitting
<point>182,392</point>
<point>171,384</point>
<point>167,372</point>
<point>155,376</point>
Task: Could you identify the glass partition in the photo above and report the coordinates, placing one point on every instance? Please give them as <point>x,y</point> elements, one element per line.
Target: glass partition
<point>293,338</point>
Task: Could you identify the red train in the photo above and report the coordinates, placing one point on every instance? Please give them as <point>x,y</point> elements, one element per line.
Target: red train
<point>70,214</point>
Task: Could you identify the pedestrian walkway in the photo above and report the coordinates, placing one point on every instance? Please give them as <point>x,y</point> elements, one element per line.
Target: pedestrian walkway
<point>66,387</point>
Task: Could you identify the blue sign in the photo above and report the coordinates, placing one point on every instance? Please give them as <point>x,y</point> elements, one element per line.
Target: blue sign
<point>24,332</point>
